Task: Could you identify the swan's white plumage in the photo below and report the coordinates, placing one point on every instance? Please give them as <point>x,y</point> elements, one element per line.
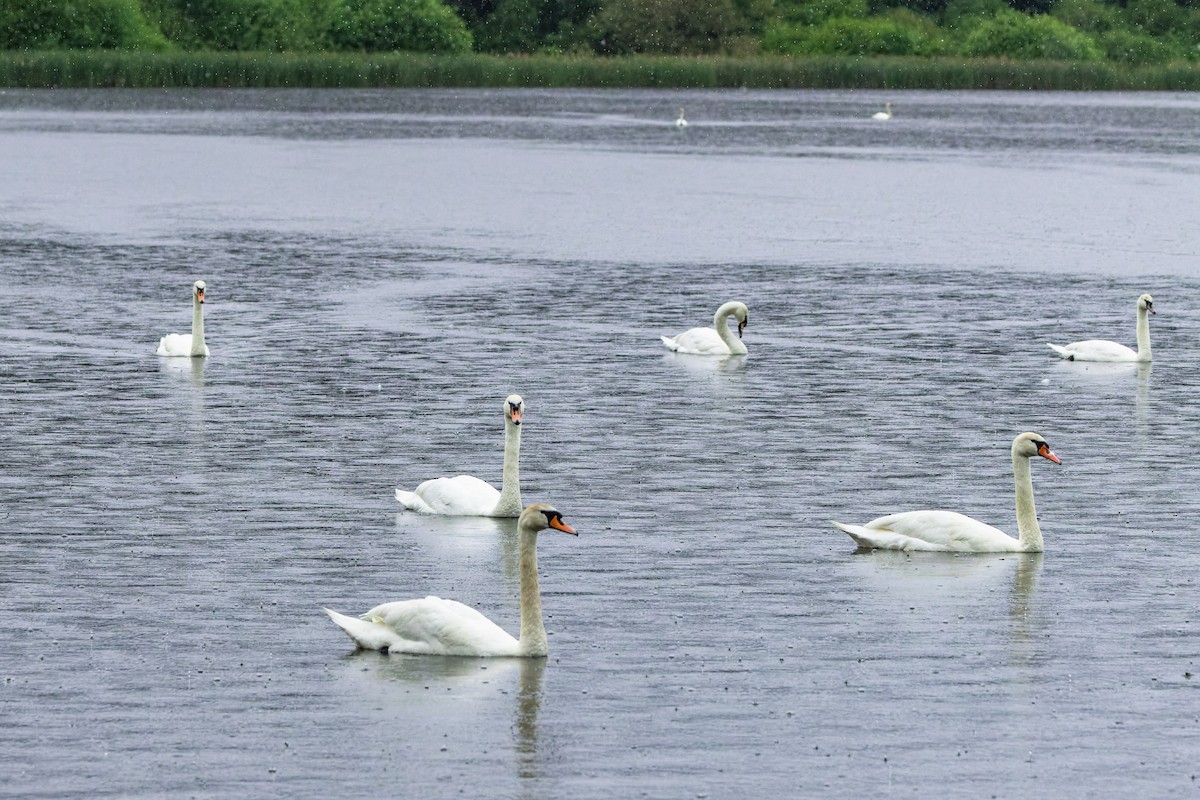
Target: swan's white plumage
<point>188,344</point>
<point>433,626</point>
<point>681,122</point>
<point>951,531</point>
<point>884,115</point>
<point>468,496</point>
<point>715,341</point>
<point>428,626</point>
<point>1105,350</point>
<point>177,344</point>
<point>930,530</point>
<point>462,495</point>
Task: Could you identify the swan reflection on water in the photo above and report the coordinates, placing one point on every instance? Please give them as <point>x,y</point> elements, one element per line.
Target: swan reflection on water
<point>446,538</point>
<point>701,365</point>
<point>191,369</point>
<point>514,682</point>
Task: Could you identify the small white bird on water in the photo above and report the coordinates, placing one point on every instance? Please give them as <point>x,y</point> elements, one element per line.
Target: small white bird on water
<point>681,122</point>
<point>717,340</point>
<point>884,115</point>
<point>1104,350</point>
<point>188,344</point>
<point>949,531</point>
<point>436,627</point>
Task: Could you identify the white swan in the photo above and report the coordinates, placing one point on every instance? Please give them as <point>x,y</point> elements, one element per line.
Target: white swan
<point>884,115</point>
<point>468,496</point>
<point>717,341</point>
<point>948,530</point>
<point>433,626</point>
<point>1104,350</point>
<point>188,344</point>
<point>681,122</point>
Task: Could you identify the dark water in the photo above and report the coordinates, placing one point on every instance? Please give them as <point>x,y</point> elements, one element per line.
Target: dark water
<point>384,267</point>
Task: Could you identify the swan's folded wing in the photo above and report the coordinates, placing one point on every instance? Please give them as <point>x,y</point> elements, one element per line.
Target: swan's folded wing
<point>446,627</point>
<point>700,341</point>
<point>175,344</point>
<point>931,530</point>
<point>1097,350</point>
<point>463,495</point>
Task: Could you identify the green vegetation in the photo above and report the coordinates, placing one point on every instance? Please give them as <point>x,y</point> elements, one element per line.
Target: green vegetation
<point>133,69</point>
<point>1093,43</point>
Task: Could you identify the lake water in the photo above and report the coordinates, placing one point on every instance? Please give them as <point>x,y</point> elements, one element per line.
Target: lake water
<point>384,267</point>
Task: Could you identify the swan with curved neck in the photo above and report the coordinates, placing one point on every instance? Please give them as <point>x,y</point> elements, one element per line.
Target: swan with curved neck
<point>884,115</point>
<point>715,341</point>
<point>1104,350</point>
<point>951,531</point>
<point>681,122</point>
<point>433,626</point>
<point>188,344</point>
<point>468,496</point>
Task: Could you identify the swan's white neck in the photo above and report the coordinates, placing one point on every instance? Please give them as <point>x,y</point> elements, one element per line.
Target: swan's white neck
<point>721,323</point>
<point>533,632</point>
<point>1027,521</point>
<point>1143,334</point>
<point>198,347</point>
<point>509,504</point>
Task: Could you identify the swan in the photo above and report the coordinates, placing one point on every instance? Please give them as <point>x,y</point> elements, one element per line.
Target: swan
<point>468,496</point>
<point>1104,350</point>
<point>681,122</point>
<point>948,530</point>
<point>188,344</point>
<point>716,341</point>
<point>884,115</point>
<point>438,627</point>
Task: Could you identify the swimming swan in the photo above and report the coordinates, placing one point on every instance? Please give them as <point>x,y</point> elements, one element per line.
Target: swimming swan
<point>717,341</point>
<point>1104,350</point>
<point>468,496</point>
<point>948,530</point>
<point>437,627</point>
<point>884,115</point>
<point>188,344</point>
<point>681,122</point>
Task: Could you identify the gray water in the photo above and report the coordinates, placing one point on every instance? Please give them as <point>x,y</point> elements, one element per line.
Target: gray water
<point>384,267</point>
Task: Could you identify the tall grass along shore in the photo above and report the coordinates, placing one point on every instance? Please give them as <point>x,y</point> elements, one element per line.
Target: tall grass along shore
<point>110,68</point>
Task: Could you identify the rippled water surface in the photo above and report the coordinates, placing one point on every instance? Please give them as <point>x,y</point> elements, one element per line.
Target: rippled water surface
<point>384,267</point>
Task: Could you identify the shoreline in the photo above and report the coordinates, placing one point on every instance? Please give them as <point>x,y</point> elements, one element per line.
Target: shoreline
<point>122,69</point>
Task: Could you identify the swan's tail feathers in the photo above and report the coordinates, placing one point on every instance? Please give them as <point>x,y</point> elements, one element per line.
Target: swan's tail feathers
<point>669,342</point>
<point>411,501</point>
<point>1062,351</point>
<point>861,536</point>
<point>367,635</point>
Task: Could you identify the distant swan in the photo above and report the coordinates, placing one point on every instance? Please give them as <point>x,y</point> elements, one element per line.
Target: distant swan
<point>188,344</point>
<point>1104,350</point>
<point>949,530</point>
<point>437,627</point>
<point>716,341</point>
<point>681,122</point>
<point>884,115</point>
<point>468,496</point>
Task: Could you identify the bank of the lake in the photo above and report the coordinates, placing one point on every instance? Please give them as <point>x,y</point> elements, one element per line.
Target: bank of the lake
<point>92,68</point>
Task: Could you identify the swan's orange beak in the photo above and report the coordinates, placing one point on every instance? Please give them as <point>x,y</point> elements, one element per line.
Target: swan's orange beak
<point>1044,452</point>
<point>515,413</point>
<point>562,526</point>
<point>200,295</point>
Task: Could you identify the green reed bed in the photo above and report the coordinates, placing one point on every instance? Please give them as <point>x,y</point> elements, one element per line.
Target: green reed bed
<point>81,69</point>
